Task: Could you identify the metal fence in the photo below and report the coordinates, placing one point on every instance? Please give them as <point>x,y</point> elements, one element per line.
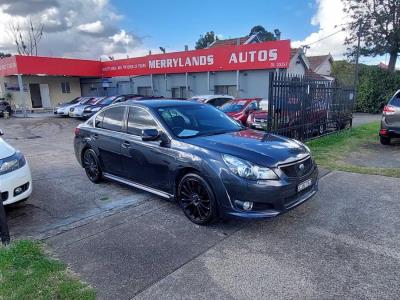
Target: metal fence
<point>303,108</point>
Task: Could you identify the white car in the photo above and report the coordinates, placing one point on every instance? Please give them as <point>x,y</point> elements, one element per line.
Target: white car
<point>64,109</point>
<point>214,100</point>
<point>15,175</point>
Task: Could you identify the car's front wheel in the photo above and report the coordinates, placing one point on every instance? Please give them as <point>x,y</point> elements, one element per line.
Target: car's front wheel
<point>196,199</point>
<point>92,166</point>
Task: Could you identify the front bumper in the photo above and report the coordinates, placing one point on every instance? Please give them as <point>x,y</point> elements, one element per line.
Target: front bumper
<point>270,199</point>
<point>10,181</point>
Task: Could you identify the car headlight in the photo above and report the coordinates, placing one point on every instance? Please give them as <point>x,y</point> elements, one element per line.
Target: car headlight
<point>12,163</point>
<point>248,170</point>
<point>95,108</point>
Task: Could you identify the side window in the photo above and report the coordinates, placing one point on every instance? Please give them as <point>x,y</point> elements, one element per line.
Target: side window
<point>213,102</point>
<point>221,101</point>
<point>139,119</point>
<point>98,122</point>
<point>252,106</point>
<point>114,118</point>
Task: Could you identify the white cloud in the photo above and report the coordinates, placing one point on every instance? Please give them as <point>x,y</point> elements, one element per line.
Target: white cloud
<point>95,27</point>
<point>329,18</point>
<point>73,28</point>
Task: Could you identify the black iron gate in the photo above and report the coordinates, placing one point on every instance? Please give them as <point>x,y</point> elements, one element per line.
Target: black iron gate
<point>303,108</point>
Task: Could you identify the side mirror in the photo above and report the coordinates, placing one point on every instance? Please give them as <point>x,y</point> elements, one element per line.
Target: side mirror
<point>1,132</point>
<point>150,134</point>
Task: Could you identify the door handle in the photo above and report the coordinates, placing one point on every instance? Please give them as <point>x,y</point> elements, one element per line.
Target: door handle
<point>95,136</point>
<point>126,144</point>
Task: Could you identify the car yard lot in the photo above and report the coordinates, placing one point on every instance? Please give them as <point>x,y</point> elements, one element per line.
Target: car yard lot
<point>126,243</point>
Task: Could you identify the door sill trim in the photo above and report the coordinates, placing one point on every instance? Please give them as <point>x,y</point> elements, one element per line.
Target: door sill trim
<point>138,185</point>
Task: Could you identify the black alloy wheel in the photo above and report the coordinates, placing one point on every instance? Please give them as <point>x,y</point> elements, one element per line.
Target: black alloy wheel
<point>92,166</point>
<point>197,199</point>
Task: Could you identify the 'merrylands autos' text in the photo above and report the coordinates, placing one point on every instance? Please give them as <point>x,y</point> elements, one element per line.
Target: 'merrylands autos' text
<point>208,60</point>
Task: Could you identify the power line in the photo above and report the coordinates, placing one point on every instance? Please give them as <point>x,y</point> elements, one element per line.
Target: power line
<point>323,38</point>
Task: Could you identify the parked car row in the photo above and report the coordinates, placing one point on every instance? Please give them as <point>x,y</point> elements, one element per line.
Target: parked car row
<point>251,112</point>
<point>85,107</point>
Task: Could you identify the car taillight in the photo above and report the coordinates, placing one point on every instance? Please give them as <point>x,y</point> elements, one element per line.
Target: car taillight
<point>388,110</point>
<point>76,131</point>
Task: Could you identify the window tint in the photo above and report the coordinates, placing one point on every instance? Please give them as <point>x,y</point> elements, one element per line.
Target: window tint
<point>139,119</point>
<point>98,122</point>
<point>395,100</point>
<point>113,118</point>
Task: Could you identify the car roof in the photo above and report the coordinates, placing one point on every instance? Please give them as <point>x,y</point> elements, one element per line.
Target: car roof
<point>157,103</point>
<point>207,97</point>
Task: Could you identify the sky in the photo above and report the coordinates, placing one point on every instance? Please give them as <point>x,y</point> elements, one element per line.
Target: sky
<point>97,29</point>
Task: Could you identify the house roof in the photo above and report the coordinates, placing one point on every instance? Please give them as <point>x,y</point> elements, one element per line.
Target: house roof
<point>293,52</point>
<point>229,42</point>
<point>310,74</point>
<point>316,61</point>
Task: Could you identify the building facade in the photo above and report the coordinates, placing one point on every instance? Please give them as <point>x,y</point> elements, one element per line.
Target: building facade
<point>238,67</point>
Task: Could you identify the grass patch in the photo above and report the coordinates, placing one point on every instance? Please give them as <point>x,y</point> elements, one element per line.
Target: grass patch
<point>330,151</point>
<point>27,273</point>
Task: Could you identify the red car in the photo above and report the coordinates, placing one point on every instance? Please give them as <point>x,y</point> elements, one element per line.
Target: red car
<point>240,109</point>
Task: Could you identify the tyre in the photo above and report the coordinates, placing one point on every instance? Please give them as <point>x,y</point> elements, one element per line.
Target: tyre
<point>384,140</point>
<point>91,165</point>
<point>196,199</point>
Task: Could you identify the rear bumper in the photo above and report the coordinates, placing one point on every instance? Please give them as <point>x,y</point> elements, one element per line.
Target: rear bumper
<point>389,131</point>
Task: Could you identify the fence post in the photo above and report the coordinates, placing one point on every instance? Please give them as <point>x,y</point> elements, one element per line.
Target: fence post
<point>270,101</point>
<point>4,232</point>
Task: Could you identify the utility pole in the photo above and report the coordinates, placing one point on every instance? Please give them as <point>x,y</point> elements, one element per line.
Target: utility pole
<point>357,55</point>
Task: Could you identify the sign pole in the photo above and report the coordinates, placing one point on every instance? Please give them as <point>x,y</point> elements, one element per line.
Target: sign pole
<point>21,95</point>
<point>4,232</point>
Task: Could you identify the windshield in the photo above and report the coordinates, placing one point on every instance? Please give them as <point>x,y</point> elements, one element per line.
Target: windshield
<point>197,120</point>
<point>107,101</point>
<point>93,101</point>
<point>76,100</point>
<point>233,106</point>
<point>85,100</point>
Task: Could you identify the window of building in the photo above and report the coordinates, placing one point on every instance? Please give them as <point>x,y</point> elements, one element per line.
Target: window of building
<point>114,118</point>
<point>144,90</point>
<point>179,92</point>
<point>65,88</point>
<point>139,119</point>
<point>225,90</point>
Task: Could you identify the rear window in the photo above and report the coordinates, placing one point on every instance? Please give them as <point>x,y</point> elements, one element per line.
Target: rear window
<point>395,101</point>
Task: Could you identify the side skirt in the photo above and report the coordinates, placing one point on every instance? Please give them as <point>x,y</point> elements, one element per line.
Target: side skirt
<point>139,186</point>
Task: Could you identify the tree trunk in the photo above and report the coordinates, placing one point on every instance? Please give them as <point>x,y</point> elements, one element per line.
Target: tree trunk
<point>392,62</point>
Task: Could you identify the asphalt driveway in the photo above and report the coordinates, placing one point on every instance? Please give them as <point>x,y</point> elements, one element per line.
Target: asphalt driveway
<point>344,243</point>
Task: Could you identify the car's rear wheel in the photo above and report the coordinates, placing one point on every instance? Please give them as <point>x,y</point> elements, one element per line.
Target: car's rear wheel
<point>196,199</point>
<point>384,140</point>
<point>92,166</point>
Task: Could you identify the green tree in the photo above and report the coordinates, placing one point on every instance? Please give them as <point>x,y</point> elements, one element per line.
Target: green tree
<point>377,23</point>
<point>205,40</point>
<point>2,55</point>
<point>263,34</point>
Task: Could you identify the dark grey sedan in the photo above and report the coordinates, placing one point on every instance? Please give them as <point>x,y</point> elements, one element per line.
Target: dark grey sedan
<point>195,154</point>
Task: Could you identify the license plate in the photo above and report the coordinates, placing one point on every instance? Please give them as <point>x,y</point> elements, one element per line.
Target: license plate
<point>257,125</point>
<point>304,185</point>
